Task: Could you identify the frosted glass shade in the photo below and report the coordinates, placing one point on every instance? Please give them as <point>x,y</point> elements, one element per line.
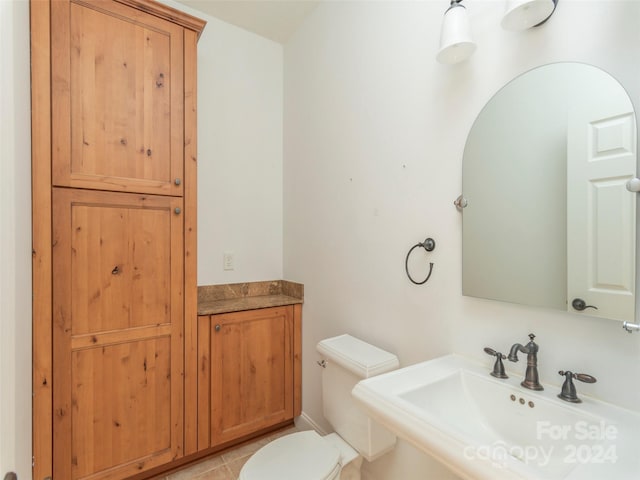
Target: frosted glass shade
<point>456,43</point>
<point>523,14</point>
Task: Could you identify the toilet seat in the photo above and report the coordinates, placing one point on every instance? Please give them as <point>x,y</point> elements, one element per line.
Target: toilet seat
<point>297,456</point>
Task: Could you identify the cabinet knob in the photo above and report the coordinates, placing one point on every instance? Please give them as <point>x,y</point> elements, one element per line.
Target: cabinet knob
<point>217,328</point>
<point>178,211</point>
<point>177,181</point>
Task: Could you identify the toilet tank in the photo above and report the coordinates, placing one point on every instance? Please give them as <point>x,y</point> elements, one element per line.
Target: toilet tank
<point>347,361</point>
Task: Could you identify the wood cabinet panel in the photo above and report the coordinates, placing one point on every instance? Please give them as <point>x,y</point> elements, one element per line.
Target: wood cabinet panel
<point>190,244</point>
<point>251,372</point>
<point>121,405</point>
<point>42,419</point>
<point>246,380</point>
<point>120,267</point>
<point>118,98</point>
<point>117,343</point>
<point>204,382</point>
<point>297,360</point>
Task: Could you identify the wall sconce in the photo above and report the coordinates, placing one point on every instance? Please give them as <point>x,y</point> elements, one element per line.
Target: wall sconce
<point>524,14</point>
<point>456,44</point>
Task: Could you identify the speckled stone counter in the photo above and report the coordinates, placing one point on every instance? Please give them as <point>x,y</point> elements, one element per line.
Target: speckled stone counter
<point>235,297</point>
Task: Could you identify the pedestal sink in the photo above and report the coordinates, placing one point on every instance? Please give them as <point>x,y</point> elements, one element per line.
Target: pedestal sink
<point>486,428</point>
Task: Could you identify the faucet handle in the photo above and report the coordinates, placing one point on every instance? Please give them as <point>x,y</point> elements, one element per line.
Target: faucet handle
<point>568,392</point>
<point>583,377</point>
<point>492,352</point>
<point>498,367</point>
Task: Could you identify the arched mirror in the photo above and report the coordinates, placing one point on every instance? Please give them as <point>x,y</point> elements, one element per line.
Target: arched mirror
<point>549,221</point>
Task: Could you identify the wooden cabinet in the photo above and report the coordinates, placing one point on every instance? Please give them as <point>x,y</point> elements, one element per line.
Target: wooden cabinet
<point>114,236</point>
<point>249,376</point>
<point>118,97</point>
<point>117,337</point>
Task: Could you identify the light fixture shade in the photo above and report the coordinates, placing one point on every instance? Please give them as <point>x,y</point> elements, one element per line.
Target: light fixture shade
<point>523,14</point>
<point>456,43</point>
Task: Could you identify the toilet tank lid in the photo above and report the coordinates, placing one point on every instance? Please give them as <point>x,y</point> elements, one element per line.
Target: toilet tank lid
<point>360,358</point>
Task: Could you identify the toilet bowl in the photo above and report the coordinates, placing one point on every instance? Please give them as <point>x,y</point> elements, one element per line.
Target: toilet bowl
<point>302,455</point>
<point>337,456</point>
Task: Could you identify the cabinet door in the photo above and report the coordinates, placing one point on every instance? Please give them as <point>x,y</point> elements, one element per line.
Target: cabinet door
<point>117,98</point>
<point>117,333</point>
<point>251,372</point>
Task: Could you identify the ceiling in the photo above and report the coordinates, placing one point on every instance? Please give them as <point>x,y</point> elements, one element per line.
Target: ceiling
<point>273,19</point>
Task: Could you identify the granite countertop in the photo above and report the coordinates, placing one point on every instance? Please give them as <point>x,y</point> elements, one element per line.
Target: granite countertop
<point>235,297</point>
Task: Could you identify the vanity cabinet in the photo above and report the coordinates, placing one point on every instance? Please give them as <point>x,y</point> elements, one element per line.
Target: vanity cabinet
<point>114,237</point>
<point>249,372</point>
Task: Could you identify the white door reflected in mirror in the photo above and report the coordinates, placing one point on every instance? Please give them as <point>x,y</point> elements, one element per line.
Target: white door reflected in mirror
<point>601,212</point>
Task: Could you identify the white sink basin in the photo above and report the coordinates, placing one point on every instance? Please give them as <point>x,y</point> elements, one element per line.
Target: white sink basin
<point>487,428</point>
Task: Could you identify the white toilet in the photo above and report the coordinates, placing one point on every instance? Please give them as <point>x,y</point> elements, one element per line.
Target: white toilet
<point>337,456</point>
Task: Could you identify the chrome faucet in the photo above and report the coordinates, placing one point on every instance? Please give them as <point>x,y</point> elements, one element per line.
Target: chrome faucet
<point>531,376</point>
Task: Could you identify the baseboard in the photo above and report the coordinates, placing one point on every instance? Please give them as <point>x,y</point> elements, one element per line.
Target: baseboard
<point>305,422</point>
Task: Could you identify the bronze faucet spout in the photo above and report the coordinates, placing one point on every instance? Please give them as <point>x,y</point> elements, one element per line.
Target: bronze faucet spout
<point>531,380</point>
<point>513,353</point>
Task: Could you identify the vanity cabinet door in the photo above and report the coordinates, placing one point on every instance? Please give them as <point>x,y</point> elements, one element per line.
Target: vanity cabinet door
<point>118,98</point>
<point>248,382</point>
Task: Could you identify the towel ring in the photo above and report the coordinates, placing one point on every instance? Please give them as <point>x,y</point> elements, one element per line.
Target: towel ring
<point>429,245</point>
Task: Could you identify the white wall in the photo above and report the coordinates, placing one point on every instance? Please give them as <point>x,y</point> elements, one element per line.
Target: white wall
<point>15,241</point>
<point>239,154</point>
<point>374,135</point>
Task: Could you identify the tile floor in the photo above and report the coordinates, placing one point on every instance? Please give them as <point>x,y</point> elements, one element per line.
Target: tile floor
<point>227,465</point>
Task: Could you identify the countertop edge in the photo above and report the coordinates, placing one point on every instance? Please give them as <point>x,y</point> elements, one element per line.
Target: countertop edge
<point>229,305</point>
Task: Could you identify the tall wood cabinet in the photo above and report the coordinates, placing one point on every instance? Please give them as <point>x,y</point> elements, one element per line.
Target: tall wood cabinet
<point>114,225</point>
